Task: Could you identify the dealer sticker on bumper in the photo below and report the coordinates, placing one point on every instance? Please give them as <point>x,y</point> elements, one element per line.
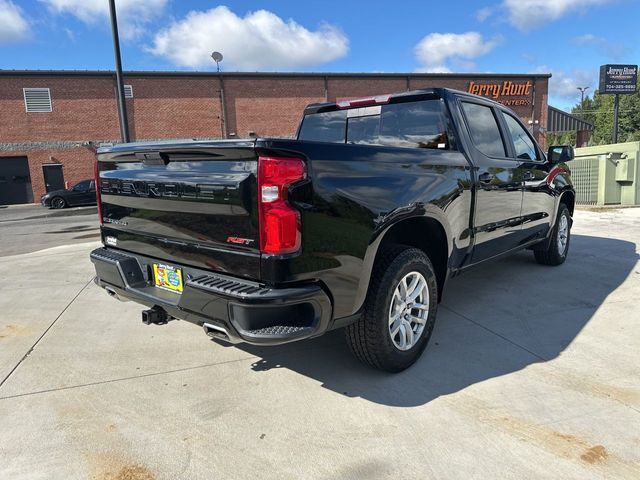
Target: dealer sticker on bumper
<point>167,277</point>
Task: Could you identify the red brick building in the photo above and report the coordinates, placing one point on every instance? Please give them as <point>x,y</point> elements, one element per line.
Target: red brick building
<point>50,120</point>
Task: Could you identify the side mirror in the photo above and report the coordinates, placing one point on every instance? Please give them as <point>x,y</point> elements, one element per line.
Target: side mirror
<point>560,153</point>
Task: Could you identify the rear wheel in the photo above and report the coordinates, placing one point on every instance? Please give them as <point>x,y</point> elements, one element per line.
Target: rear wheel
<point>399,312</point>
<point>58,202</point>
<point>556,252</point>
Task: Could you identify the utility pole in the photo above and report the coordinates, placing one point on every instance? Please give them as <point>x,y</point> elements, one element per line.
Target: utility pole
<point>582,90</point>
<point>616,108</point>
<point>122,106</point>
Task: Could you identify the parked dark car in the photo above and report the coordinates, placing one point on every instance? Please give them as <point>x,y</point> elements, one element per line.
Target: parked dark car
<point>82,193</point>
<point>357,223</point>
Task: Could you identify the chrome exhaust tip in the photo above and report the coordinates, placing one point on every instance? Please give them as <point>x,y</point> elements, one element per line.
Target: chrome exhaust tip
<point>215,331</point>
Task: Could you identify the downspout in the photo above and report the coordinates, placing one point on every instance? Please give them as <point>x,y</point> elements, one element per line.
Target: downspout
<point>223,108</point>
<point>533,113</point>
<point>326,89</point>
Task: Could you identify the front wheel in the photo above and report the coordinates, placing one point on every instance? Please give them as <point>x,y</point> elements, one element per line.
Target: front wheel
<point>399,313</point>
<point>556,252</point>
<point>58,202</point>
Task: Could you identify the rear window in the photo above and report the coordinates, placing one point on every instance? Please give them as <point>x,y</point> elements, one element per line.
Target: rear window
<point>411,124</point>
<point>324,127</point>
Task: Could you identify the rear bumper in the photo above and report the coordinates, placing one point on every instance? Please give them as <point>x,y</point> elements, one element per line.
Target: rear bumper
<point>233,309</point>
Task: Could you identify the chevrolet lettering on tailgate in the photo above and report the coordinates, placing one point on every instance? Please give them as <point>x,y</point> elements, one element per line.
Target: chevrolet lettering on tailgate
<point>171,190</point>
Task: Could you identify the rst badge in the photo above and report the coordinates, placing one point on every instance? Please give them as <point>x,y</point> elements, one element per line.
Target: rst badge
<point>240,241</point>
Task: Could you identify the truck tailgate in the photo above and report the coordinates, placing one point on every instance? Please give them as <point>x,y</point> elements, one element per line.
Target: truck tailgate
<point>191,203</point>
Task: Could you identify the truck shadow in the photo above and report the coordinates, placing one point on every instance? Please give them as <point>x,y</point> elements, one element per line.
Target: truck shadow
<point>494,320</point>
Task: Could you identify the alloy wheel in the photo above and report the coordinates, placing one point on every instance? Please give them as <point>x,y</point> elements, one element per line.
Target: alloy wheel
<point>409,310</point>
<point>563,234</point>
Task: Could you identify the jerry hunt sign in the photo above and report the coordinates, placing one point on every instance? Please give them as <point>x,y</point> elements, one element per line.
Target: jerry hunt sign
<point>503,92</point>
<point>618,78</point>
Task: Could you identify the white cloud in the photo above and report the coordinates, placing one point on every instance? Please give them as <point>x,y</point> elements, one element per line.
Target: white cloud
<point>258,41</point>
<point>564,86</point>
<point>13,25</point>
<point>586,38</point>
<point>435,50</point>
<point>133,15</point>
<point>434,69</point>
<point>527,14</point>
<point>70,34</point>
<point>609,49</point>
<point>483,14</point>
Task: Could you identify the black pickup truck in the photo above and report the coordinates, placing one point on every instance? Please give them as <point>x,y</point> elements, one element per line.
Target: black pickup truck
<point>357,223</point>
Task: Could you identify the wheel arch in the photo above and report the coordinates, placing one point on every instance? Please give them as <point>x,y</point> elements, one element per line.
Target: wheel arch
<point>568,197</point>
<point>427,233</point>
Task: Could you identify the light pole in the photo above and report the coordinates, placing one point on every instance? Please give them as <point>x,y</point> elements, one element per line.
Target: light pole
<point>582,90</point>
<point>122,106</point>
<point>217,57</point>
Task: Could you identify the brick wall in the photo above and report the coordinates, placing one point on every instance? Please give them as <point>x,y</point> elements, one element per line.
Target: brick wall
<point>83,107</point>
<point>77,165</point>
<point>187,106</point>
<point>343,88</point>
<point>269,106</point>
<point>173,107</point>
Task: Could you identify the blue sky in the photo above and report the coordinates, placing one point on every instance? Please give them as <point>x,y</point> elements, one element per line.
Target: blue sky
<point>568,38</point>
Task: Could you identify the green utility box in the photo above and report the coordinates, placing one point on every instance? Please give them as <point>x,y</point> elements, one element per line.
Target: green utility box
<point>625,170</point>
<point>607,174</point>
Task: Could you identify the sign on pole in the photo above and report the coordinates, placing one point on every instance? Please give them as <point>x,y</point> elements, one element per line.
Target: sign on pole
<point>618,79</point>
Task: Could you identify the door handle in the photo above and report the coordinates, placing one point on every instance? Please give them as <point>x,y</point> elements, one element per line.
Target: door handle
<point>486,177</point>
<point>527,176</point>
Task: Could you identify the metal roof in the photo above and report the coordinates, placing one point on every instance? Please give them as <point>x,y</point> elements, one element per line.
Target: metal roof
<point>155,73</point>
<point>559,121</point>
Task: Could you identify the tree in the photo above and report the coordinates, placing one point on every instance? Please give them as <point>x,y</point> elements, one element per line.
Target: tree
<point>598,110</point>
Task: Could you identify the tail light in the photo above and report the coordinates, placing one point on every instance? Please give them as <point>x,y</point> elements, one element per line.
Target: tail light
<point>96,171</point>
<point>280,230</point>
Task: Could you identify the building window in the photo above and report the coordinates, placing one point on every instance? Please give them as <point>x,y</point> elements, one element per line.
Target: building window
<point>128,91</point>
<point>37,100</point>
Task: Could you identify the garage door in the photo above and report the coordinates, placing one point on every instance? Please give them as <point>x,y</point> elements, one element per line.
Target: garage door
<point>15,181</point>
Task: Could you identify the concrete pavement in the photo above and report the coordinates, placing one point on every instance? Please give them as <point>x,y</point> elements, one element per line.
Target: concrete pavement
<point>28,228</point>
<point>532,372</point>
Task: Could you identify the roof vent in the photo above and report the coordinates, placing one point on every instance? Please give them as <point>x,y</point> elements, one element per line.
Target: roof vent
<point>37,99</point>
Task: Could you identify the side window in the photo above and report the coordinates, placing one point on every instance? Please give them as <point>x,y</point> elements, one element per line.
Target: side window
<point>82,186</point>
<point>484,129</point>
<point>525,148</point>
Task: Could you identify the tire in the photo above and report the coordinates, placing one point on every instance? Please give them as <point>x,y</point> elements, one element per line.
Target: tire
<point>370,338</point>
<point>558,248</point>
<point>58,202</point>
